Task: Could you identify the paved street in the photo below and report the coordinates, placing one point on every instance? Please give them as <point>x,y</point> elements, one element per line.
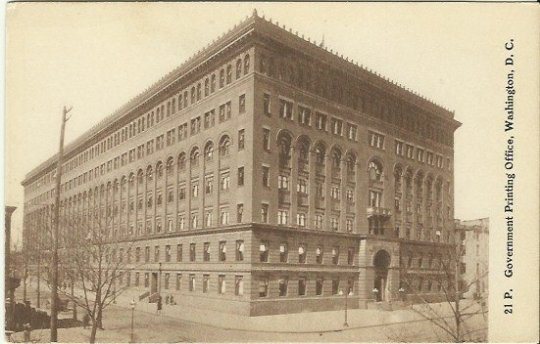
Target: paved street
<point>178,324</point>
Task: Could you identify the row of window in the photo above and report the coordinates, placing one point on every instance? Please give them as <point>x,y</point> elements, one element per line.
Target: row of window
<point>157,114</point>
<point>408,151</point>
<point>125,279</point>
<point>302,290</point>
<point>139,153</point>
<point>285,255</point>
<point>307,117</point>
<point>339,87</point>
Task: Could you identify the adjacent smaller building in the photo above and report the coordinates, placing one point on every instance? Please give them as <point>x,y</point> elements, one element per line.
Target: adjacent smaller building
<point>475,262</point>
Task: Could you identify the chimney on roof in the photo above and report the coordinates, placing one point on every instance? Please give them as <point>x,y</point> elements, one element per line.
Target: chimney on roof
<point>254,12</point>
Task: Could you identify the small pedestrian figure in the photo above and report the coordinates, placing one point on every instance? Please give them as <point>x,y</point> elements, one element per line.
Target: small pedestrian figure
<point>159,305</point>
<point>27,332</point>
<point>85,320</point>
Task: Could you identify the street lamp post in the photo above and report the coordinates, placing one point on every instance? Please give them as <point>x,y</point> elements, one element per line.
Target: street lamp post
<point>345,324</point>
<point>132,304</point>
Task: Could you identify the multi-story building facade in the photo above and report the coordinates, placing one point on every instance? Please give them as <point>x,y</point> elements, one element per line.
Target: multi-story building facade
<point>265,175</point>
<point>475,256</point>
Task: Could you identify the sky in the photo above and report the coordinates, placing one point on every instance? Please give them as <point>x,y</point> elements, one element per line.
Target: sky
<point>96,57</point>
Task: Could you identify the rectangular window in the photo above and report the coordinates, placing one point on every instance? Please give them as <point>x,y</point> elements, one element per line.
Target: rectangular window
<point>222,251</point>
<point>206,252</point>
<point>191,282</point>
<point>283,182</point>
<point>224,217</point>
<point>302,253</point>
<point>283,217</point>
<point>266,104</point>
<point>264,213</point>
<point>156,254</point>
<point>179,252</point>
<point>239,212</point>
<point>321,121</point>
<point>178,281</point>
<point>350,256</point>
<point>266,139</point>
<point>285,109</point>
<point>409,151</point>
<point>335,255</point>
<point>166,281</point>
<point>167,253</point>
<point>241,139</point>
<point>147,254</point>
<point>240,176</point>
<point>263,251</point>
<point>222,284</point>
<point>263,287</point>
<point>352,132</point>
<point>304,115</point>
<point>301,219</point>
<point>137,278</point>
<point>337,127</point>
<point>238,285</point>
<point>192,253</point>
<point>335,286</point>
<point>318,221</point>
<point>283,286</point>
<point>302,286</point>
<point>242,103</point>
<point>420,155</point>
<point>266,176</point>
<point>239,250</point>
<point>206,282</point>
<point>319,286</point>
<point>399,148</point>
<point>283,252</point>
<point>376,140</point>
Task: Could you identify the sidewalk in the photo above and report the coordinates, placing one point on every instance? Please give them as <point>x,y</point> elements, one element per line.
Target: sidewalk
<point>309,322</point>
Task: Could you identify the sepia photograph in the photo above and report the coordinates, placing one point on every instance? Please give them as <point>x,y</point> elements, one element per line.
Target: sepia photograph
<point>271,172</point>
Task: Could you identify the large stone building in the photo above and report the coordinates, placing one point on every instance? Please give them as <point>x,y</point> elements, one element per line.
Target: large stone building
<point>475,256</point>
<point>265,175</point>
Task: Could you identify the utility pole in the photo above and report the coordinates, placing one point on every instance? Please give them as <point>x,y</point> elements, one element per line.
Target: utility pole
<point>54,287</point>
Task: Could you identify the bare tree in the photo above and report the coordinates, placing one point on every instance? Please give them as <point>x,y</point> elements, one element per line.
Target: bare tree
<point>93,261</point>
<point>438,297</point>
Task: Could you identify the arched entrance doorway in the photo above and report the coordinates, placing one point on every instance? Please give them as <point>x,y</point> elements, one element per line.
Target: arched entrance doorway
<point>381,262</point>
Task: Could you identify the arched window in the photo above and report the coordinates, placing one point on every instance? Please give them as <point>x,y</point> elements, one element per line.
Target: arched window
<point>419,181</point>
<point>206,87</point>
<point>159,170</point>
<point>246,64</point>
<point>375,170</point>
<point>284,144</point>
<point>170,165</point>
<point>198,91</point>
<point>181,161</point>
<point>149,174</point>
<point>397,177</point>
<point>320,155</point>
<point>438,189</point>
<point>351,162</point>
<point>221,78</point>
<point>209,151</point>
<point>238,68</point>
<point>213,83</point>
<point>408,183</point>
<point>224,146</point>
<point>229,74</point>
<point>336,159</point>
<point>193,95</point>
<point>194,157</point>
